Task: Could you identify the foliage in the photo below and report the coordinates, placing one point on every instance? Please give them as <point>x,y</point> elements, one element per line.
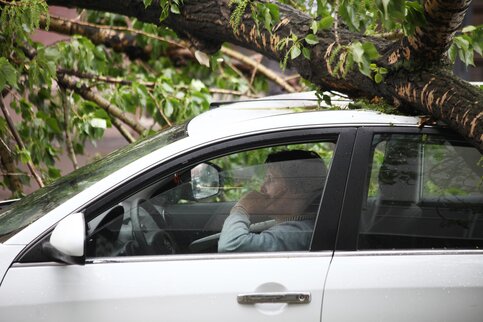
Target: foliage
<point>161,89</point>
<point>166,88</point>
<point>167,7</point>
<point>464,45</point>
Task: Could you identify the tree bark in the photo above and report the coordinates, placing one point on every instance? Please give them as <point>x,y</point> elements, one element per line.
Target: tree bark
<point>418,77</point>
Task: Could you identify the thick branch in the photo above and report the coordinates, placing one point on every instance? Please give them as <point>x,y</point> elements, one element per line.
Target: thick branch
<point>431,41</point>
<point>209,22</point>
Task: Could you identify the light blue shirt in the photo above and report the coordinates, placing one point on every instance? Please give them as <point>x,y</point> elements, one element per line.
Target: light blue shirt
<point>286,236</point>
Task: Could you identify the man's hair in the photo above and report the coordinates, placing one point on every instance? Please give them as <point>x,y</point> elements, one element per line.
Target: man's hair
<point>291,155</point>
<point>304,171</point>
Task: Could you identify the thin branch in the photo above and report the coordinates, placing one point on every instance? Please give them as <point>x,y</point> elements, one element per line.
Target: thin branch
<point>231,92</point>
<point>166,119</point>
<point>395,35</point>
<point>105,79</point>
<point>239,73</point>
<point>336,22</point>
<point>68,138</point>
<point>254,72</point>
<point>117,40</point>
<point>90,95</point>
<point>261,68</point>
<point>125,133</point>
<point>120,81</point>
<point>19,141</point>
<point>15,4</point>
<point>56,21</point>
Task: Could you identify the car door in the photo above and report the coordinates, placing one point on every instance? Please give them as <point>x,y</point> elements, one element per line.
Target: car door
<point>411,234</point>
<point>171,279</point>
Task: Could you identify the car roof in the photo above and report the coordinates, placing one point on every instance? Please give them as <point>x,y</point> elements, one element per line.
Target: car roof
<point>285,111</point>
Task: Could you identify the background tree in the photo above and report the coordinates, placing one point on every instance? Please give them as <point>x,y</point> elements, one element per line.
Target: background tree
<point>163,60</point>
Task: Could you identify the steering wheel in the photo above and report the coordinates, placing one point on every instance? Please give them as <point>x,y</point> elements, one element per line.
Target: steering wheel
<point>152,242</point>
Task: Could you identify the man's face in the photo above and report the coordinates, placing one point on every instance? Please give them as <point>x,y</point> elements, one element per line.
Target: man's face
<point>273,185</point>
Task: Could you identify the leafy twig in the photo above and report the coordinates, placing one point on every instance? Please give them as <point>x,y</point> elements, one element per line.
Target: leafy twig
<point>19,141</point>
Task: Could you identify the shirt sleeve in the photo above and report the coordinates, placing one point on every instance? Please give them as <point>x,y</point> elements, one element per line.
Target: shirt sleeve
<point>236,236</point>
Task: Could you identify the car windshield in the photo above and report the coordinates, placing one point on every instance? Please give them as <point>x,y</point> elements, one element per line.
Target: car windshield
<point>37,204</point>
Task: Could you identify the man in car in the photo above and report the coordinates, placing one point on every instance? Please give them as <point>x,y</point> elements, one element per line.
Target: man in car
<point>289,194</point>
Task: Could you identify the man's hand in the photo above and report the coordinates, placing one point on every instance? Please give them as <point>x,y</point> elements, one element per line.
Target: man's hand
<point>255,203</point>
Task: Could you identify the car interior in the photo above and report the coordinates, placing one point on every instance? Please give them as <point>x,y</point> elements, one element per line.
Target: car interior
<point>422,202</point>
<point>181,214</point>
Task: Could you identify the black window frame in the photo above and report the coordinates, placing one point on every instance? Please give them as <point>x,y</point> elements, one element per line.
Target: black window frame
<point>348,229</point>
<point>325,227</point>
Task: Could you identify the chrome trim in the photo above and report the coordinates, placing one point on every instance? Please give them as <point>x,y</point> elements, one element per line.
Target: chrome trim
<point>408,252</point>
<point>275,297</point>
<point>197,257</point>
<point>44,264</point>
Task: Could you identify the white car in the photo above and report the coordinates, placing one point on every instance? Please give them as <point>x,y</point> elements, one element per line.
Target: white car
<point>395,230</point>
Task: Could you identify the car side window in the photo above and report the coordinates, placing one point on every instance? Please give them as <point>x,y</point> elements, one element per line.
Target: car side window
<point>257,200</point>
<point>423,192</point>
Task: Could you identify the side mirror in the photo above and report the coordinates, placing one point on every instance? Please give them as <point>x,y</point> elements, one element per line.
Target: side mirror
<point>205,181</point>
<point>68,239</point>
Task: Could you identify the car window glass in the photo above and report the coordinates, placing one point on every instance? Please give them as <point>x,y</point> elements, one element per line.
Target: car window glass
<point>271,194</point>
<point>422,191</point>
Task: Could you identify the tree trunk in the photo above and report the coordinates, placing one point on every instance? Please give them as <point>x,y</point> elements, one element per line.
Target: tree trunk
<point>418,80</point>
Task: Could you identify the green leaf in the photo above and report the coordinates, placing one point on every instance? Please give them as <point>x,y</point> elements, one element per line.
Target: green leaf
<point>306,52</point>
<point>311,39</point>
<point>147,3</point>
<point>314,26</point>
<point>348,14</point>
<point>452,52</point>
<point>461,42</point>
<point>274,11</point>
<point>267,19</point>
<point>326,23</point>
<point>378,78</point>
<point>98,123</point>
<point>468,29</point>
<point>468,58</point>
<point>53,125</point>
<point>370,51</point>
<point>357,52</point>
<point>197,85</point>
<point>295,52</point>
<point>24,155</point>
<point>8,74</point>
<point>54,173</point>
<point>385,5</point>
<point>175,9</point>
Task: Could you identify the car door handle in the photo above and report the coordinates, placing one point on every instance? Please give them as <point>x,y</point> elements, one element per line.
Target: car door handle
<point>275,297</point>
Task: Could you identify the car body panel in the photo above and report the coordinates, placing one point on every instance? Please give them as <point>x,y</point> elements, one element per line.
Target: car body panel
<point>174,288</point>
<point>404,286</point>
<point>7,255</point>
